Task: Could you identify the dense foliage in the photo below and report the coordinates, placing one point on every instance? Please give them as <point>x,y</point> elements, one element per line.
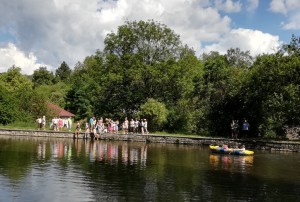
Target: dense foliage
<point>145,71</point>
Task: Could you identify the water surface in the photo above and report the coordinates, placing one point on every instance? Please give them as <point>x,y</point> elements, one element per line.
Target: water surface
<point>43,169</point>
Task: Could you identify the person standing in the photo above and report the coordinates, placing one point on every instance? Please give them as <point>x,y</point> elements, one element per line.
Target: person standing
<point>245,128</point>
<point>69,123</point>
<point>142,126</point>
<point>136,126</point>
<point>125,126</point>
<point>44,122</point>
<point>131,126</point>
<point>146,126</point>
<point>234,129</point>
<point>232,125</point>
<point>39,123</point>
<point>92,122</point>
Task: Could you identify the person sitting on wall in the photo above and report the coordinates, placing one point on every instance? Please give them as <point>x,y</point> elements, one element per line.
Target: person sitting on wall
<point>77,130</point>
<point>96,135</point>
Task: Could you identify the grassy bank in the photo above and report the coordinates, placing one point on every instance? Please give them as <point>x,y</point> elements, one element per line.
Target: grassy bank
<point>20,125</point>
<point>28,126</point>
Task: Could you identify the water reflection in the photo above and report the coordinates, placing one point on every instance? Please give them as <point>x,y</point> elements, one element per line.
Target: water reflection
<point>231,162</point>
<point>46,169</point>
<point>108,152</point>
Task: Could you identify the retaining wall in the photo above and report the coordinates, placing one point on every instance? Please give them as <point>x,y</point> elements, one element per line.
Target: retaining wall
<point>293,146</point>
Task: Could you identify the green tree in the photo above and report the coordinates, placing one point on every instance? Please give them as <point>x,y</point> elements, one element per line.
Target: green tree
<point>141,63</point>
<point>293,47</point>
<point>42,76</point>
<point>272,93</point>
<point>155,112</point>
<point>55,93</point>
<point>15,82</point>
<point>238,58</point>
<point>28,102</point>
<point>217,96</point>
<point>63,72</point>
<point>8,108</point>
<point>85,90</point>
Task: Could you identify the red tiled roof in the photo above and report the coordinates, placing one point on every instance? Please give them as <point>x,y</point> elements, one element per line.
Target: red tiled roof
<point>58,111</point>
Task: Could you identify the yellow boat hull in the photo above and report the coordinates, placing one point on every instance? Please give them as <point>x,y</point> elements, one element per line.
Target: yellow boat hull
<point>232,151</point>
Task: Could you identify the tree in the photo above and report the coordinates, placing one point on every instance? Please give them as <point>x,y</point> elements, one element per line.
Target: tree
<point>141,63</point>
<point>155,112</point>
<point>28,102</point>
<point>150,41</point>
<point>55,93</point>
<point>42,76</point>
<point>238,58</point>
<point>63,72</point>
<point>272,93</point>
<point>8,108</point>
<point>293,47</point>
<point>217,96</point>
<point>86,90</point>
<point>15,82</point>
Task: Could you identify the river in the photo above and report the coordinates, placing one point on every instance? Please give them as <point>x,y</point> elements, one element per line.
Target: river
<point>47,169</point>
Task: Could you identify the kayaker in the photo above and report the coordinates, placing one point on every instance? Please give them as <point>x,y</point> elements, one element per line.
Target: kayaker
<point>225,146</point>
<point>242,147</point>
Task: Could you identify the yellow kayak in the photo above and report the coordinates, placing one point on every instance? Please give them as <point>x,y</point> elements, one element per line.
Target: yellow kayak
<point>233,151</point>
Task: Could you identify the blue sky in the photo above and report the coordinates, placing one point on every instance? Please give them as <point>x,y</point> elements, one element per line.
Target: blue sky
<point>265,20</point>
<point>37,33</point>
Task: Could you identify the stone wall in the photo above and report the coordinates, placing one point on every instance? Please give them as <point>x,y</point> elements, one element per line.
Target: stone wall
<point>293,146</point>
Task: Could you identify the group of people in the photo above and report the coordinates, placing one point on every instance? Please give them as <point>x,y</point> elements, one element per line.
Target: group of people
<point>58,123</point>
<point>235,128</point>
<point>94,128</point>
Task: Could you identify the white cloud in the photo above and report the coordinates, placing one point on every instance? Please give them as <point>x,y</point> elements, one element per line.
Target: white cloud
<point>294,22</point>
<point>252,5</point>
<point>278,6</point>
<point>69,30</point>
<point>290,8</point>
<point>254,41</point>
<point>228,6</point>
<point>11,55</point>
<point>284,6</point>
<point>53,31</point>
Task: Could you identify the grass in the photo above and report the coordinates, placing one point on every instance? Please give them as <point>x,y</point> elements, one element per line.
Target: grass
<point>28,126</point>
<point>20,125</point>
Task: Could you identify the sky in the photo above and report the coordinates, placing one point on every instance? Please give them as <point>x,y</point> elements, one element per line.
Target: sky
<point>36,33</point>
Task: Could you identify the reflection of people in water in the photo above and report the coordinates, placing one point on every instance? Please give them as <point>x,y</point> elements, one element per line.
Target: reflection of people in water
<point>241,163</point>
<point>214,160</point>
<point>77,130</point>
<point>144,155</point>
<point>225,162</point>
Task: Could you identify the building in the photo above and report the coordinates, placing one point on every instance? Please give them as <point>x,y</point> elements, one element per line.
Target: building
<point>58,111</point>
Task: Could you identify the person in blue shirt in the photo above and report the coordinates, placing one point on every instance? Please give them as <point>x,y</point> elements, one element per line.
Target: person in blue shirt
<point>92,123</point>
<point>245,128</point>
